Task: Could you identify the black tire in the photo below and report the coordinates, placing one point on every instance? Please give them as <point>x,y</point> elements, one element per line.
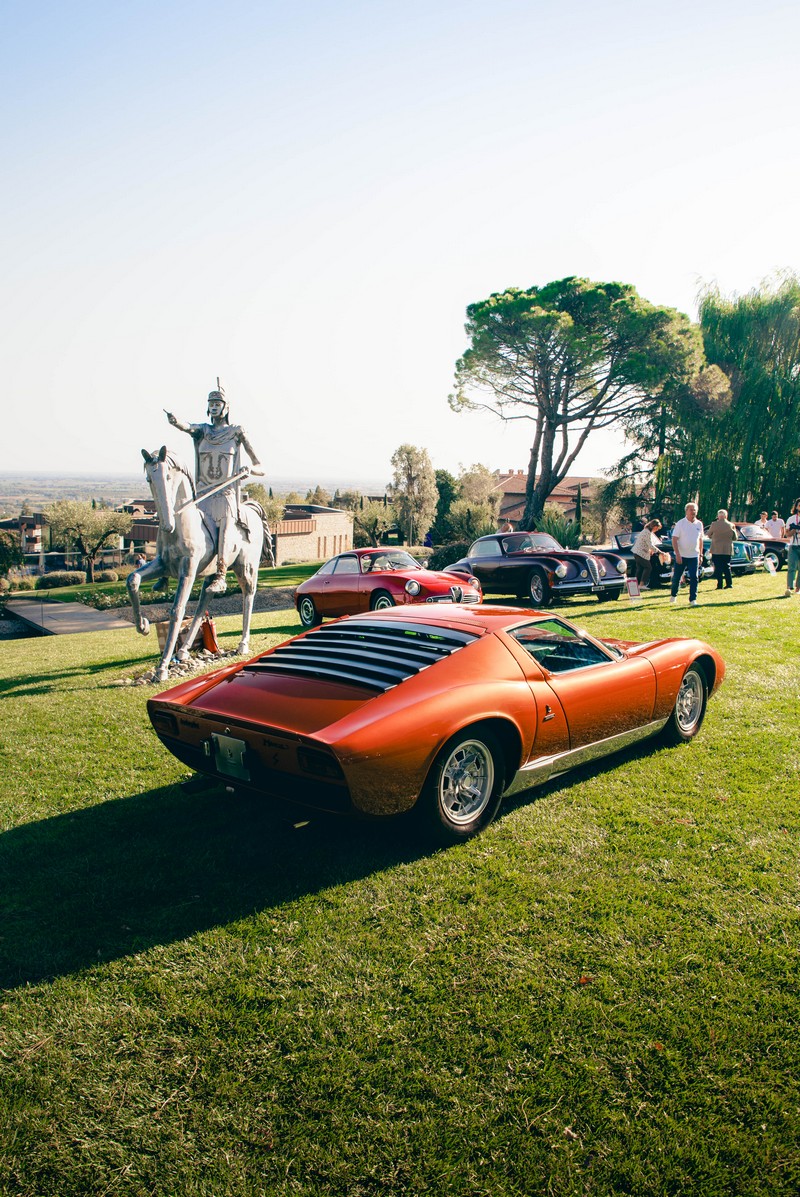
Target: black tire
<point>690,707</point>
<point>609,596</point>
<point>776,559</point>
<point>381,601</point>
<point>306,609</point>
<point>539,589</point>
<point>464,788</point>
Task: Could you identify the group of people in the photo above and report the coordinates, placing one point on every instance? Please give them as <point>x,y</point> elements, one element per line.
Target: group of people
<point>687,548</point>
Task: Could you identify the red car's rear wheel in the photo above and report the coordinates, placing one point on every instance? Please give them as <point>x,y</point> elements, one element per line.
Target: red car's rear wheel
<point>309,616</point>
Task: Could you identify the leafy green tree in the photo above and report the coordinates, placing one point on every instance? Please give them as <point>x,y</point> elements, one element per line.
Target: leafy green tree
<point>348,500</point>
<point>571,357</point>
<point>746,455</point>
<point>89,528</point>
<point>479,484</point>
<point>319,496</point>
<point>273,508</point>
<point>662,433</point>
<point>413,492</point>
<point>448,489</point>
<point>11,555</point>
<point>468,520</point>
<point>372,520</point>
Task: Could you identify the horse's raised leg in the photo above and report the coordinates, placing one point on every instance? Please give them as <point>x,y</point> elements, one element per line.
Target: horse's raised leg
<point>186,578</point>
<point>183,651</point>
<point>152,569</point>
<point>246,569</point>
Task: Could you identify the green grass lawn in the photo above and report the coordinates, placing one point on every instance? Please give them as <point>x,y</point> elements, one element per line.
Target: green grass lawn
<point>282,575</point>
<point>597,996</point>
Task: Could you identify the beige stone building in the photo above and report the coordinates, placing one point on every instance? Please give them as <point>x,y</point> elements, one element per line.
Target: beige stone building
<point>311,533</point>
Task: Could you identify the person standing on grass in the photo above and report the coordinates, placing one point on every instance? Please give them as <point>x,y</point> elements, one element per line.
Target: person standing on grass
<point>723,534</point>
<point>776,527</point>
<point>645,547</point>
<point>793,552</point>
<point>687,544</point>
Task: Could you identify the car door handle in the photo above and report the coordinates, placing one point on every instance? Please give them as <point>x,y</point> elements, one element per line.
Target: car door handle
<point>549,713</point>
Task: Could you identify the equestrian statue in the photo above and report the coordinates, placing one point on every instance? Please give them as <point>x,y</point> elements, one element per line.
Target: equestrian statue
<point>204,525</point>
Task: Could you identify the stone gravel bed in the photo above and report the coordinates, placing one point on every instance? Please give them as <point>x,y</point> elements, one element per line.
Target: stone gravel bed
<point>275,598</point>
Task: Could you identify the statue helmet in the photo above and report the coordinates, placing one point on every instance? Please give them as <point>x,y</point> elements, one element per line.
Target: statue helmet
<point>219,396</point>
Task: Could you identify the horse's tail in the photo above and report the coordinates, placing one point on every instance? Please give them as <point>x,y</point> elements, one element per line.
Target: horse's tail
<point>268,548</point>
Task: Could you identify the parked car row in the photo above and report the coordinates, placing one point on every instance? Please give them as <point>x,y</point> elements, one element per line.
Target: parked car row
<point>747,557</point>
<point>531,565</point>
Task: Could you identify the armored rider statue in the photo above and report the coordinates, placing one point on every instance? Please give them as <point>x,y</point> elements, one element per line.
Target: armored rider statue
<point>217,448</point>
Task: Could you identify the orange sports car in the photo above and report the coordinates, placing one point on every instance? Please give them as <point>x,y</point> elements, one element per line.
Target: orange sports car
<point>443,709</point>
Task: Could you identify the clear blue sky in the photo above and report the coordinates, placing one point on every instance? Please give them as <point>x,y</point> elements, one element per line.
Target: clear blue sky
<point>303,198</point>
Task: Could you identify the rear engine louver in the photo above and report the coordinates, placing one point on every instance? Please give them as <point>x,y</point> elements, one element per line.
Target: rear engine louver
<point>375,655</point>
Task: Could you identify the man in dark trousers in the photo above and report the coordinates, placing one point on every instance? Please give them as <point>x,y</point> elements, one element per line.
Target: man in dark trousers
<point>723,534</point>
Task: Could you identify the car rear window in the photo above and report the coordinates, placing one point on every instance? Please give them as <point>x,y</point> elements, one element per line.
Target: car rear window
<point>376,655</point>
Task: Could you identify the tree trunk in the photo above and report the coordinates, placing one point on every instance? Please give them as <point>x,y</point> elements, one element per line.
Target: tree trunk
<point>89,563</point>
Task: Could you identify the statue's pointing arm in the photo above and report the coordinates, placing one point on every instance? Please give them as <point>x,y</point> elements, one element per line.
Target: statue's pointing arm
<point>176,423</point>
<point>257,468</point>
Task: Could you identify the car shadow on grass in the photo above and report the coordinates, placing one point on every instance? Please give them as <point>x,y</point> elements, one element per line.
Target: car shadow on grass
<point>120,877</point>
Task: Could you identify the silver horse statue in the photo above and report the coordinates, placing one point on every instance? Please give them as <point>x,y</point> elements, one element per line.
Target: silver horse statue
<point>186,549</point>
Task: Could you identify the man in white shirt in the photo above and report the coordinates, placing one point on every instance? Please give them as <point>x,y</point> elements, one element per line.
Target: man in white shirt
<point>776,526</point>
<point>793,553</point>
<point>687,544</point>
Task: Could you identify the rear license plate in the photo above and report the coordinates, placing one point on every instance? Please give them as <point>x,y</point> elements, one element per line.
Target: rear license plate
<point>229,757</point>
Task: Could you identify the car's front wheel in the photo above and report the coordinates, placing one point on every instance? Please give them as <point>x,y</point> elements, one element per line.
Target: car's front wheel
<point>306,609</point>
<point>539,589</point>
<point>608,596</point>
<point>776,560</point>
<point>690,707</point>
<point>381,601</point>
<point>463,790</point>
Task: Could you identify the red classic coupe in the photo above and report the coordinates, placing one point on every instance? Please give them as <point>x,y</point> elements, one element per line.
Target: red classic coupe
<point>374,579</point>
<point>441,709</point>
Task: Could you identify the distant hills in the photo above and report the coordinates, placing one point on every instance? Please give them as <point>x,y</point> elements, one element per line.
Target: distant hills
<point>37,490</point>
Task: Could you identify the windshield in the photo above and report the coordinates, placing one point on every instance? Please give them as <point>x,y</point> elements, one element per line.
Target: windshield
<point>754,532</point>
<point>529,542</point>
<point>390,560</point>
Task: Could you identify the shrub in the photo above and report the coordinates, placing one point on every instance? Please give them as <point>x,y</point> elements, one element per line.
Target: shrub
<point>61,577</point>
<point>448,554</point>
<point>23,583</point>
<point>555,523</point>
<point>5,585</point>
<point>107,575</point>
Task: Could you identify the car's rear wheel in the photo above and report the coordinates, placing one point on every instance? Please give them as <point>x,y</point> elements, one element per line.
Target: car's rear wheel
<point>463,790</point>
<point>690,707</point>
<point>381,601</point>
<point>539,589</point>
<point>306,609</point>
